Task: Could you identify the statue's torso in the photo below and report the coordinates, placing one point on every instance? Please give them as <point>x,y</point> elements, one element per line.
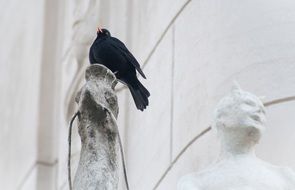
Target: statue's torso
<point>235,174</point>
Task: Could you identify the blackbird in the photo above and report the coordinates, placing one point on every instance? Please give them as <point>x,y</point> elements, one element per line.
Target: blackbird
<point>113,54</point>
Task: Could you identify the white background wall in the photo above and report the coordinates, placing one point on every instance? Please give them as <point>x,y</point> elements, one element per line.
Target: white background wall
<point>190,50</point>
<point>20,56</point>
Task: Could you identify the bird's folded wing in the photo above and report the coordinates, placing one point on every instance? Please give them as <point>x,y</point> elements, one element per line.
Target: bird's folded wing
<point>123,49</point>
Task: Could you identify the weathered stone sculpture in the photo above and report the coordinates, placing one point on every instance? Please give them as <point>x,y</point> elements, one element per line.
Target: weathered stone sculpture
<point>98,107</point>
<point>239,121</point>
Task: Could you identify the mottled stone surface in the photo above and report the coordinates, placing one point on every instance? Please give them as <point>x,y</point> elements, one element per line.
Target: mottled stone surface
<point>98,165</point>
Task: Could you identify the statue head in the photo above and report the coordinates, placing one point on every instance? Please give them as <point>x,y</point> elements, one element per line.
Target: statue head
<point>240,113</point>
<point>97,97</point>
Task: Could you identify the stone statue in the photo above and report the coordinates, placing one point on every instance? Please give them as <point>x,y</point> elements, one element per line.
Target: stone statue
<point>239,121</point>
<point>98,107</point>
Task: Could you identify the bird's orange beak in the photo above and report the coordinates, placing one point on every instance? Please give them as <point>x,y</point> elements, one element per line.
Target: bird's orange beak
<point>99,30</point>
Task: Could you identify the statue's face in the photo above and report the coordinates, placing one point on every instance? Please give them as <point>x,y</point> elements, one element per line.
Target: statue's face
<point>240,109</point>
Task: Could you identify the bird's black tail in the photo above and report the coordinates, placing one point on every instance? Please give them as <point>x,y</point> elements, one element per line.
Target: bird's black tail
<point>140,95</point>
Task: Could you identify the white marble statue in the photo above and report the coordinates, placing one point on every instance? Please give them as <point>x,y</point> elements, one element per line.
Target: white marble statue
<point>239,120</point>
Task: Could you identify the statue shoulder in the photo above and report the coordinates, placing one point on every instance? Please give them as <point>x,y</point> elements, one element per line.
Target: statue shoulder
<point>188,182</point>
<point>288,174</point>
<point>283,171</point>
<point>198,180</point>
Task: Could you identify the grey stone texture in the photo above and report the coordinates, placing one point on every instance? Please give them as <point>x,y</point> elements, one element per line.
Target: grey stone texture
<point>98,110</point>
<point>191,51</point>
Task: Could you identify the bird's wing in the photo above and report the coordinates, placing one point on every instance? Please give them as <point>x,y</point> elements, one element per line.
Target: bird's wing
<point>123,49</point>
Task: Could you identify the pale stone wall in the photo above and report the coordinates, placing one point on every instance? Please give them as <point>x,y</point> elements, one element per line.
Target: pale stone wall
<point>190,50</point>
<point>30,101</point>
<point>19,81</point>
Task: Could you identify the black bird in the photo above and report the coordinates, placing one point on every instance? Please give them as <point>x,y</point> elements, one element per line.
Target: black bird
<point>113,54</point>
